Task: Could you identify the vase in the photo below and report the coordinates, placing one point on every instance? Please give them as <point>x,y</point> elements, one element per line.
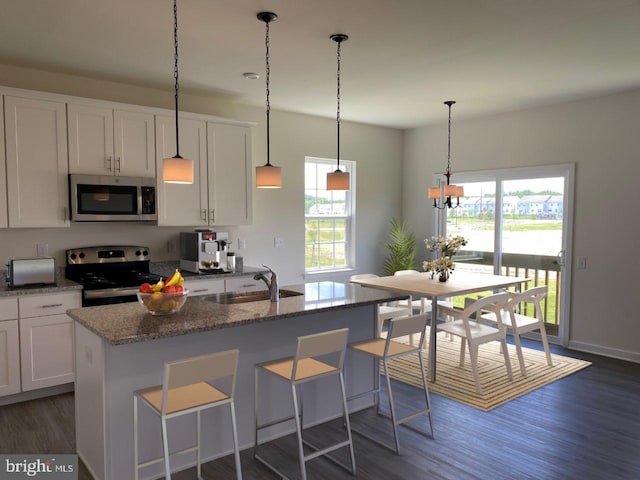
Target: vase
<point>444,275</point>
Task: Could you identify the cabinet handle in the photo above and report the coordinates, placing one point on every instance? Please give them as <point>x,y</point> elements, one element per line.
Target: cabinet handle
<point>203,215</point>
<point>108,163</point>
<point>52,305</point>
<point>118,164</point>
<point>64,213</point>
<point>200,290</point>
<point>246,285</point>
<point>213,215</point>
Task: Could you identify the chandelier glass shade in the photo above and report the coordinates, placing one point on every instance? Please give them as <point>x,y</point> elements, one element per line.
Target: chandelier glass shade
<point>443,197</point>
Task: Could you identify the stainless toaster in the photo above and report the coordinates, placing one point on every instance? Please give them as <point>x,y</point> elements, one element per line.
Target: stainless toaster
<point>31,271</point>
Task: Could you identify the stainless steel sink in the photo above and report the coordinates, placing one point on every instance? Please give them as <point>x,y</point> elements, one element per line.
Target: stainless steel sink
<point>245,297</point>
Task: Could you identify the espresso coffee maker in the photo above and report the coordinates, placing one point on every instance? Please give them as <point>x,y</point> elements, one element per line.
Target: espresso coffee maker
<point>204,251</point>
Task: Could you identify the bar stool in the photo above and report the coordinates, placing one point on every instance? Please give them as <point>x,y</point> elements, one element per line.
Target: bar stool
<point>384,350</point>
<point>305,367</point>
<point>187,388</point>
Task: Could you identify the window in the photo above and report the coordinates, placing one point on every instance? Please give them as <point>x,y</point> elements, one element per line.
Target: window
<point>328,217</point>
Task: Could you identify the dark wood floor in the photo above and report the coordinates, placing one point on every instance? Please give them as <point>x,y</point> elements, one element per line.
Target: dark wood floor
<point>583,427</point>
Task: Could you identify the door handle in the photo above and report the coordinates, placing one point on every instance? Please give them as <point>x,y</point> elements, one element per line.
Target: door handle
<point>561,258</point>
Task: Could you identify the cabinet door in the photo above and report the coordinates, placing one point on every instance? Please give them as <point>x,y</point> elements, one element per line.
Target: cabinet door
<point>46,351</point>
<point>90,140</point>
<point>229,173</point>
<point>9,358</point>
<point>243,284</point>
<point>204,287</point>
<point>182,205</point>
<point>37,162</point>
<point>134,144</point>
<point>47,339</point>
<point>4,223</point>
<point>9,350</point>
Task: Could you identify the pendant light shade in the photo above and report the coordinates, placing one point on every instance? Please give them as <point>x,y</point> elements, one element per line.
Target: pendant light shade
<point>176,169</point>
<point>268,176</point>
<point>338,180</point>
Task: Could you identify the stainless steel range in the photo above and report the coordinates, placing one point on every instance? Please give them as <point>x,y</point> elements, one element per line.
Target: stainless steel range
<point>109,274</point>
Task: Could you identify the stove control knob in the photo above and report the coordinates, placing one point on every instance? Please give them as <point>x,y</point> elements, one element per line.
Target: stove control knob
<point>138,253</point>
<point>81,255</point>
<point>73,256</point>
<point>145,253</point>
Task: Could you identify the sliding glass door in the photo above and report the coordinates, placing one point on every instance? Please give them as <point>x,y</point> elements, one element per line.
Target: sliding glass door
<point>518,222</point>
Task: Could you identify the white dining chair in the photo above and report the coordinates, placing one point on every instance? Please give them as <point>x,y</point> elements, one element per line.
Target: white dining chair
<point>474,333</point>
<point>519,323</point>
<point>385,310</point>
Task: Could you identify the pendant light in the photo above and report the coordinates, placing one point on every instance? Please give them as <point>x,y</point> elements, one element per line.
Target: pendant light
<point>449,189</point>
<point>176,169</point>
<point>338,180</point>
<point>268,176</point>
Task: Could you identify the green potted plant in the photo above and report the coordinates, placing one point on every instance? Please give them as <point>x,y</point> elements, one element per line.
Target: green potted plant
<point>402,248</point>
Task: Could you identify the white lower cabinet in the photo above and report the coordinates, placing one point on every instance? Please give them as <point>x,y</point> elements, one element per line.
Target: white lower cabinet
<point>204,287</point>
<point>9,350</point>
<point>47,339</point>
<point>244,284</point>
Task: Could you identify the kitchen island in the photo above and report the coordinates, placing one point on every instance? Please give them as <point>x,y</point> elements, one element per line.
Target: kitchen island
<point>122,348</point>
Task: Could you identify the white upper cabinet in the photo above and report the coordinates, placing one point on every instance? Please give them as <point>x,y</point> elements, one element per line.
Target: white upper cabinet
<point>221,191</point>
<point>4,222</point>
<point>37,168</point>
<point>180,204</point>
<point>103,141</point>
<point>229,174</point>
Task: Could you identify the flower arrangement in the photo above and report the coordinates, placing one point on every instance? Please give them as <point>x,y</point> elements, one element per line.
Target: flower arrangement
<point>443,263</point>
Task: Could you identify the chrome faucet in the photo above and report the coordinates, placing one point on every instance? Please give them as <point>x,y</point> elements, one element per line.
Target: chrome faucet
<point>272,284</point>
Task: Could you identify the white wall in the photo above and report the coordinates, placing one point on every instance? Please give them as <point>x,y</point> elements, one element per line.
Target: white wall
<point>377,151</point>
<point>600,135</point>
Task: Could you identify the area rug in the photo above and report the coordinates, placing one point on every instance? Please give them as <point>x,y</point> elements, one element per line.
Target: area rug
<point>457,383</point>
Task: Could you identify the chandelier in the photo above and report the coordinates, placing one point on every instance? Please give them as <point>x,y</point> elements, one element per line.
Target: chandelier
<point>443,199</point>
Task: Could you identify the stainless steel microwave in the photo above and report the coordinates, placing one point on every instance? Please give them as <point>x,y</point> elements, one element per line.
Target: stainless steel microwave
<point>107,198</point>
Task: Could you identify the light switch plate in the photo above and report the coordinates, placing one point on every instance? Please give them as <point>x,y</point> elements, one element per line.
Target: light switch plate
<point>278,242</point>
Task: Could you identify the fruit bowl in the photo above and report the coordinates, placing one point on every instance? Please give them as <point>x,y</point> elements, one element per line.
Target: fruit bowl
<point>159,303</point>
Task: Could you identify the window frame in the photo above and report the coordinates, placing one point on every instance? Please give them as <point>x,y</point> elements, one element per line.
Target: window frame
<point>349,216</point>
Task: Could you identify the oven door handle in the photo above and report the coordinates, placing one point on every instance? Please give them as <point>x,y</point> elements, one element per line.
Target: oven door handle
<point>110,292</point>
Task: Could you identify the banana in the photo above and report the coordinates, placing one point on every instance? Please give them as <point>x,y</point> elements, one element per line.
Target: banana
<point>158,286</point>
<point>175,279</point>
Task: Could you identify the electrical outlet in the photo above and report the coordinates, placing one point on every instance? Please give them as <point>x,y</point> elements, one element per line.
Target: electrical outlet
<point>242,244</point>
<point>278,242</point>
<point>42,249</point>
<point>172,246</point>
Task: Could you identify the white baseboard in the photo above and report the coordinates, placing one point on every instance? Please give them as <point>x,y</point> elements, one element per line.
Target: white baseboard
<point>38,393</point>
<point>605,351</point>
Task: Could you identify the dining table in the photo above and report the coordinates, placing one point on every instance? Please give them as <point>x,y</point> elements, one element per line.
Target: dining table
<point>423,285</point>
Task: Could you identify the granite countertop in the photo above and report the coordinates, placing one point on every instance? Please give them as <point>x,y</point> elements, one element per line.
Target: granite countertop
<point>130,322</point>
<point>166,269</point>
<point>61,285</point>
<point>159,268</point>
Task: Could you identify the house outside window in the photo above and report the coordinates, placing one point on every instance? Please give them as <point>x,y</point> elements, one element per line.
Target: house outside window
<point>329,217</point>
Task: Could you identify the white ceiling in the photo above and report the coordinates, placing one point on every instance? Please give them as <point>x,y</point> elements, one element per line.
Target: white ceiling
<point>402,60</point>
